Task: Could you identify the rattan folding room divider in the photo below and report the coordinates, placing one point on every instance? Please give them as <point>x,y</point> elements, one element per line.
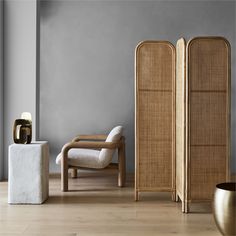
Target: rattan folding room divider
<point>182,146</point>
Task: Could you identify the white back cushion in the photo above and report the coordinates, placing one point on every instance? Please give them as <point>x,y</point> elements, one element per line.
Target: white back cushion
<point>105,155</point>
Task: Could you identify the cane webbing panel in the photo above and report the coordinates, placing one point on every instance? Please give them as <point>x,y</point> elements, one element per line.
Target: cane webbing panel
<point>155,66</point>
<point>208,117</point>
<point>208,68</point>
<point>208,166</point>
<point>155,140</point>
<point>155,73</point>
<point>155,115</point>
<point>180,115</point>
<point>208,78</point>
<point>155,168</point>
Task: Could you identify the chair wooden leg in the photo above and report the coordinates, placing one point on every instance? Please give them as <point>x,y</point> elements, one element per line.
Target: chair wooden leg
<point>64,174</point>
<point>183,207</point>
<point>74,173</point>
<point>121,166</point>
<point>173,196</point>
<point>186,207</point>
<point>136,195</point>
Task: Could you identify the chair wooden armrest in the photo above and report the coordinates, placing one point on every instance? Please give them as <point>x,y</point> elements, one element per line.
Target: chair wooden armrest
<point>85,137</point>
<point>90,145</point>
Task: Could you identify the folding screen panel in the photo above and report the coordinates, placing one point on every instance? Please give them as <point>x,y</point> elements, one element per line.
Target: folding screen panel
<point>155,117</point>
<point>205,112</point>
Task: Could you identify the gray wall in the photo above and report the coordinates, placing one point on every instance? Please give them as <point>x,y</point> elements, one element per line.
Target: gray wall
<point>87,60</point>
<point>19,65</point>
<point>1,89</point>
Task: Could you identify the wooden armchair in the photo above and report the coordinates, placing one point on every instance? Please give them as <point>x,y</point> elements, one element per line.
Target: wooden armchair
<point>99,146</point>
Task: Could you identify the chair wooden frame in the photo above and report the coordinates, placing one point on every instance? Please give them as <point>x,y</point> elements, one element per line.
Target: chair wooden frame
<point>92,142</point>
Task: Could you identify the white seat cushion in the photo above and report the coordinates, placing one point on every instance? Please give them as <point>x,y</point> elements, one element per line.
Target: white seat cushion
<point>87,158</point>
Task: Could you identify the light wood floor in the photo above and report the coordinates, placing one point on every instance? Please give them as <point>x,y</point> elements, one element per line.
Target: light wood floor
<point>96,206</point>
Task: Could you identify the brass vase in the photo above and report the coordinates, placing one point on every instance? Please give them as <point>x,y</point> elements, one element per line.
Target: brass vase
<point>224,208</point>
<point>22,131</point>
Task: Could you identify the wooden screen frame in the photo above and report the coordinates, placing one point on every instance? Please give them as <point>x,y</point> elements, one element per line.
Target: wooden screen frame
<point>181,159</point>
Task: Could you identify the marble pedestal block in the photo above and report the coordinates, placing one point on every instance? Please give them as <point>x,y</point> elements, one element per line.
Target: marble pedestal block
<point>28,173</point>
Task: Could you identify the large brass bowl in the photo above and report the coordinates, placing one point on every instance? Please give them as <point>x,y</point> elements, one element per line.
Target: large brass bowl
<point>224,208</point>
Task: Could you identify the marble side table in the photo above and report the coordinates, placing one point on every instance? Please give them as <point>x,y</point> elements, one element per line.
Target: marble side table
<point>28,181</point>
